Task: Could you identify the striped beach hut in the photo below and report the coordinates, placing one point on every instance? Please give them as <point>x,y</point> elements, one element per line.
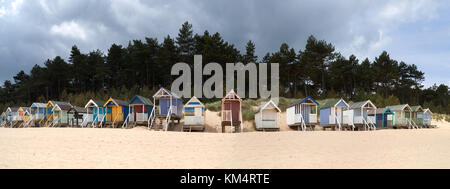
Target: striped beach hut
<point>402,116</point>
<point>232,111</point>
<point>417,116</point>
<point>384,118</point>
<point>12,116</point>
<point>38,112</point>
<point>194,115</point>
<point>95,113</point>
<point>267,117</point>
<point>302,114</point>
<point>357,116</point>
<point>116,112</point>
<point>427,117</point>
<point>332,113</point>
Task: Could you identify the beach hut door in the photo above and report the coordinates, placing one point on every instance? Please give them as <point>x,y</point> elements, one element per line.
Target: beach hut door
<point>198,114</point>
<point>339,114</point>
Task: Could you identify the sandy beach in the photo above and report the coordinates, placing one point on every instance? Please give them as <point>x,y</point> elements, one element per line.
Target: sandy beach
<point>140,148</point>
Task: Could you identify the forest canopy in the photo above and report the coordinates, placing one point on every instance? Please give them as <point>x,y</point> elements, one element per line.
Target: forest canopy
<point>143,66</point>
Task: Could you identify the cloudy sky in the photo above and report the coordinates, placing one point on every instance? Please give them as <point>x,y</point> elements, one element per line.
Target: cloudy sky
<point>416,31</point>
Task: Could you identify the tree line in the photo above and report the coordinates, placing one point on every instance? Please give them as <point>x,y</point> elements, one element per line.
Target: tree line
<point>142,66</point>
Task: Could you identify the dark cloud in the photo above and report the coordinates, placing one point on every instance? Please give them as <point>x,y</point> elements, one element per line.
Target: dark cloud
<point>33,31</point>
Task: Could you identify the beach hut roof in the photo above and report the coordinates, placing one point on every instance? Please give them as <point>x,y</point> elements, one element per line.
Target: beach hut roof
<point>416,108</point>
<point>381,111</point>
<point>305,100</point>
<point>141,100</point>
<point>38,105</point>
<point>427,110</point>
<point>23,109</point>
<point>12,109</point>
<point>266,104</point>
<point>96,103</point>
<point>117,102</point>
<point>328,103</point>
<point>232,96</point>
<point>163,92</point>
<point>194,101</point>
<point>54,103</point>
<point>399,107</point>
<point>362,104</point>
<point>78,109</point>
<point>64,107</point>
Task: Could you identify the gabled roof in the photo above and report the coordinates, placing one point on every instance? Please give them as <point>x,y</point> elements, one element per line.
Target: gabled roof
<point>78,109</point>
<point>163,92</point>
<point>362,104</point>
<point>308,98</point>
<point>96,103</point>
<point>399,107</point>
<point>23,109</point>
<point>328,103</point>
<point>232,95</point>
<point>117,102</point>
<point>64,107</point>
<point>54,103</point>
<point>141,100</point>
<point>12,109</point>
<point>194,101</point>
<point>265,105</point>
<point>427,110</point>
<point>38,105</point>
<point>416,108</point>
<point>382,111</point>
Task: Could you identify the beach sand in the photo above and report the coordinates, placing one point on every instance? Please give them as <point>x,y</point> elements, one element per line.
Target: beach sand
<point>140,148</point>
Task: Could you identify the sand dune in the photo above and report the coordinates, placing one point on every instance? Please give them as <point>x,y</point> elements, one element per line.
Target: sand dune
<point>140,148</point>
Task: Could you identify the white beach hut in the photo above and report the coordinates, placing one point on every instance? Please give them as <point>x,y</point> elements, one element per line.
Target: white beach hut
<point>267,117</point>
<point>194,115</point>
<point>358,115</point>
<point>302,114</point>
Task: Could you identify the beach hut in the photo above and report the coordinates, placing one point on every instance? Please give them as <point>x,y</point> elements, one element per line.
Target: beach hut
<point>37,114</point>
<point>116,112</point>
<point>402,116</point>
<point>95,113</point>
<point>60,115</point>
<point>3,119</point>
<point>21,113</point>
<point>427,118</point>
<point>302,114</point>
<point>50,116</point>
<point>232,111</point>
<point>194,115</point>
<point>75,116</point>
<point>139,111</point>
<point>332,113</point>
<point>417,116</point>
<point>170,109</point>
<point>357,116</point>
<point>384,117</point>
<point>12,116</point>
<point>267,117</point>
<point>26,117</point>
